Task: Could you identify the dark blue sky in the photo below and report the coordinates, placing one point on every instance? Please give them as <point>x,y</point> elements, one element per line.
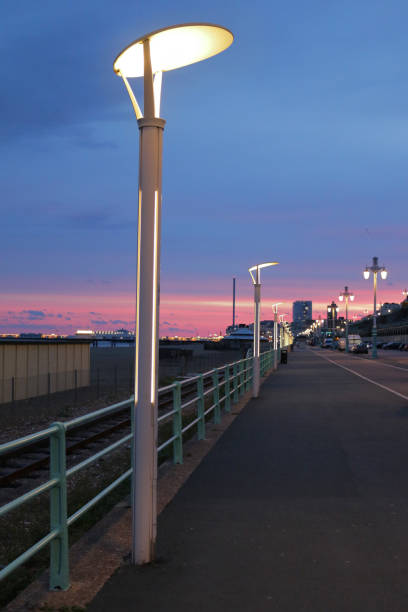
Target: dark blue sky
<point>291,145</point>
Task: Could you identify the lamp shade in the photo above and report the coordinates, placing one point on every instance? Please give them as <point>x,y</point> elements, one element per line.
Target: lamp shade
<point>340,298</point>
<point>352,298</point>
<point>173,47</point>
<point>384,274</point>
<point>259,266</point>
<point>366,273</point>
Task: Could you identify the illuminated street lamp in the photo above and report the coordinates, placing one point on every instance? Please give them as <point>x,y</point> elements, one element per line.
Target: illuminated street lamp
<point>346,295</point>
<point>281,326</point>
<point>275,334</point>
<point>148,57</point>
<point>405,294</point>
<point>257,307</point>
<point>375,268</point>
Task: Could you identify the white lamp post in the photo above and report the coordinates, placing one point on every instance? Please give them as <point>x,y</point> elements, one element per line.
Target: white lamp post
<point>257,308</point>
<point>346,295</point>
<point>281,326</point>
<point>375,268</point>
<point>275,334</point>
<point>148,57</point>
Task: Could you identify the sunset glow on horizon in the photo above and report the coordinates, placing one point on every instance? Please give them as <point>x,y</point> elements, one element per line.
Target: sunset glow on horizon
<point>180,314</point>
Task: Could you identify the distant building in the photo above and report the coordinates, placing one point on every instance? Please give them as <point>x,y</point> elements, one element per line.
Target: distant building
<point>301,315</point>
<point>389,307</point>
<point>332,311</point>
<point>302,311</point>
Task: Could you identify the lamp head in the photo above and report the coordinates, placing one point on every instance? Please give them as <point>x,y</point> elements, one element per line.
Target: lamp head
<point>258,267</point>
<point>384,274</point>
<point>366,273</point>
<point>341,298</point>
<point>173,47</point>
<point>351,298</point>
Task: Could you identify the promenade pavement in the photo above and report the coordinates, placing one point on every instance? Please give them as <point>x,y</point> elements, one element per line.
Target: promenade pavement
<point>301,506</point>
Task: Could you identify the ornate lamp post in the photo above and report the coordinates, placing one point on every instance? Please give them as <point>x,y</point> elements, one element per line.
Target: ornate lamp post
<point>148,57</point>
<point>257,309</point>
<point>346,295</point>
<point>375,268</point>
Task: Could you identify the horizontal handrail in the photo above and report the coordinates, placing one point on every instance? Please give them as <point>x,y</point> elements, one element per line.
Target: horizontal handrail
<point>209,392</point>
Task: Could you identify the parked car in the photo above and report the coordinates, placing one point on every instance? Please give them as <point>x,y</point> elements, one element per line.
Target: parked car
<point>327,343</point>
<point>391,346</point>
<point>359,348</point>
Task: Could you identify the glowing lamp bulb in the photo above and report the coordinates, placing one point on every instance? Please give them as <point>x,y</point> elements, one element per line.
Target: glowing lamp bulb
<point>173,47</point>
<point>366,273</point>
<point>384,274</point>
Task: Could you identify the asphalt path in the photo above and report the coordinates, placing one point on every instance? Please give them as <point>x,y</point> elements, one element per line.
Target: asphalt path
<point>301,506</point>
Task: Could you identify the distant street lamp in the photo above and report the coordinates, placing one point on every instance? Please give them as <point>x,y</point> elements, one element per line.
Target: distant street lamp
<point>375,268</point>
<point>405,294</point>
<point>346,295</point>
<point>257,308</point>
<point>281,326</point>
<point>148,57</point>
<point>275,334</point>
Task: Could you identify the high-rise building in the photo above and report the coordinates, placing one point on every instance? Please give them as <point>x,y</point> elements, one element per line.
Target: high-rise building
<point>302,311</point>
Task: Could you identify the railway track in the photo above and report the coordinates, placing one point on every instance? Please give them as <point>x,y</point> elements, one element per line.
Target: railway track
<point>17,466</point>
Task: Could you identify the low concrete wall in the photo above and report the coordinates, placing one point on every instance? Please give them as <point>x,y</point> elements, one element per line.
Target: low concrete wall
<point>32,368</point>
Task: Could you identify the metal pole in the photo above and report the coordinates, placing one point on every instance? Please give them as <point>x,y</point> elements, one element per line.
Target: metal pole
<point>374,331</point>
<point>347,338</point>
<point>147,325</point>
<point>233,303</point>
<point>275,340</point>
<point>257,303</point>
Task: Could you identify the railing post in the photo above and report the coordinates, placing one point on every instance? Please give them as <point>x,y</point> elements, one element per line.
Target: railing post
<point>242,377</point>
<point>235,383</point>
<point>200,408</point>
<point>227,389</point>
<point>249,372</point>
<point>59,563</point>
<point>177,425</point>
<point>216,396</point>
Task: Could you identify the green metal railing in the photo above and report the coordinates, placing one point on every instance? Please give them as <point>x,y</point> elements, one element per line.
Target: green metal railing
<point>207,395</point>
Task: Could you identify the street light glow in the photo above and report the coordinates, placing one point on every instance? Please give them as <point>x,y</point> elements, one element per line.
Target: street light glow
<point>173,47</point>
<point>366,273</point>
<point>259,266</point>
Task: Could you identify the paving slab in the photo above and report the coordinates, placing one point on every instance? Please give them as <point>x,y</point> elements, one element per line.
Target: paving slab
<point>300,506</point>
